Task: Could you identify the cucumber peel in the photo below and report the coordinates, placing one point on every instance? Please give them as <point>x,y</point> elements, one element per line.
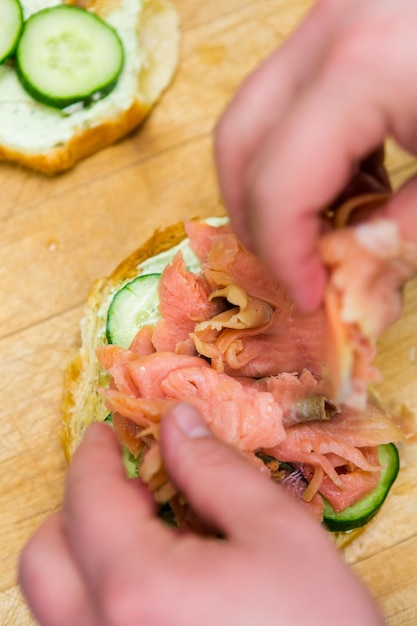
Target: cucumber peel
<point>133,306</point>
<point>11,20</point>
<point>363,511</point>
<point>66,55</point>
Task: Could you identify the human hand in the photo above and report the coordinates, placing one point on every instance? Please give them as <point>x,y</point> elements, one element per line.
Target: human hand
<point>300,127</point>
<point>106,560</point>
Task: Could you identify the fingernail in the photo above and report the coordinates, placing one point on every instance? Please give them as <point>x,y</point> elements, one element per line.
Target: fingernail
<point>189,421</point>
<point>95,432</point>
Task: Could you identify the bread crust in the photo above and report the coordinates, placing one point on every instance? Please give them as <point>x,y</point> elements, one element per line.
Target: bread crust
<point>159,34</point>
<point>81,145</point>
<point>81,403</point>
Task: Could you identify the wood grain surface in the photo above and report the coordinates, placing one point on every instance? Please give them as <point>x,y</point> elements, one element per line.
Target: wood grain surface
<point>59,234</point>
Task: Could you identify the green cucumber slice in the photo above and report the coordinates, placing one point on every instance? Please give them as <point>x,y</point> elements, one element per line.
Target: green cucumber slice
<point>363,511</point>
<point>11,21</point>
<point>67,55</point>
<point>134,306</point>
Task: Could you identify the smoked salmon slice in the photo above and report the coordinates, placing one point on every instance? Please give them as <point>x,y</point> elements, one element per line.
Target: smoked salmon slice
<point>368,265</point>
<point>184,300</point>
<point>231,343</point>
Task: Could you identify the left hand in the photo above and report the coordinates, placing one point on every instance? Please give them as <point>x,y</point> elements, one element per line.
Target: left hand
<point>105,559</point>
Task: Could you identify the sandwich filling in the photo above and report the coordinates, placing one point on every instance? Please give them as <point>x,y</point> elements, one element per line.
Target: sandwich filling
<point>226,338</point>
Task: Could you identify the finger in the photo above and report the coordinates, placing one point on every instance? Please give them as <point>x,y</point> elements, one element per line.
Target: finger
<point>51,581</point>
<point>261,100</point>
<point>107,516</point>
<point>303,166</point>
<point>402,209</point>
<point>370,177</point>
<point>220,485</point>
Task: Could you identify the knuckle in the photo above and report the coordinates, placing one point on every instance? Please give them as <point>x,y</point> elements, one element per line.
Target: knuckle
<point>227,132</point>
<point>356,51</point>
<point>222,137</point>
<point>30,562</point>
<point>31,579</point>
<point>261,185</point>
<point>128,597</point>
<point>125,604</point>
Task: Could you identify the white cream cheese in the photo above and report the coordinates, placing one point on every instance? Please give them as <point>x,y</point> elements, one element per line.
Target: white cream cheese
<point>155,265</point>
<point>30,126</point>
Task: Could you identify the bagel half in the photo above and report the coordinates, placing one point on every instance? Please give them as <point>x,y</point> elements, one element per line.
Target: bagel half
<point>82,401</point>
<point>49,140</point>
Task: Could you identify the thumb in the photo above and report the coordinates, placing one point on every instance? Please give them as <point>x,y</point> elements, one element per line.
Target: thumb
<point>221,486</point>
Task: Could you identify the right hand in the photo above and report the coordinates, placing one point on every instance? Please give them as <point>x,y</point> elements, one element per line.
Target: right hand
<point>300,126</point>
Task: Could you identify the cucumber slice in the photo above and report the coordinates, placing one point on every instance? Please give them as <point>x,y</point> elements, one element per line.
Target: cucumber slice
<point>135,305</point>
<point>363,511</point>
<point>11,21</point>
<point>67,55</point>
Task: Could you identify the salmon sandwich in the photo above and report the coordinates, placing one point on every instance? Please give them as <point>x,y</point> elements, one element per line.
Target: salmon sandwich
<point>193,316</point>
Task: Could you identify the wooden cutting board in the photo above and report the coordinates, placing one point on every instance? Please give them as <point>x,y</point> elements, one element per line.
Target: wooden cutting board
<point>60,234</point>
